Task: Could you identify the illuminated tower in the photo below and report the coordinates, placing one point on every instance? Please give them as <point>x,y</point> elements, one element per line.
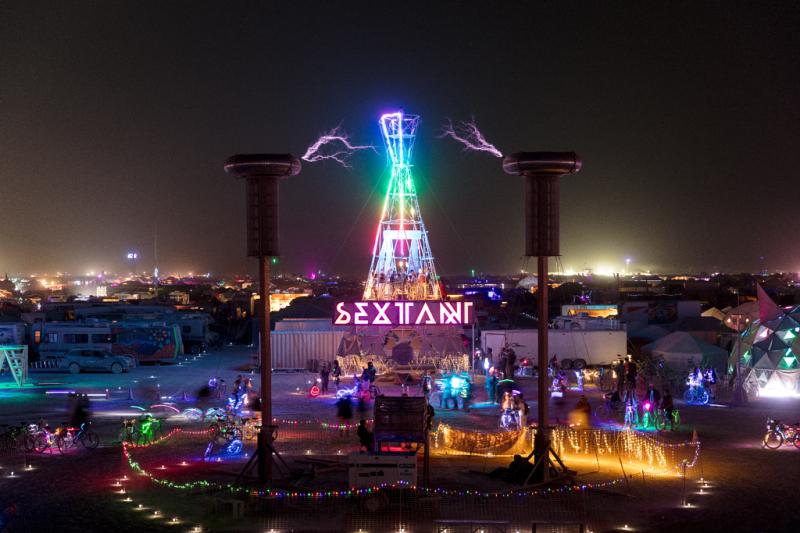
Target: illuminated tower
<point>402,263</point>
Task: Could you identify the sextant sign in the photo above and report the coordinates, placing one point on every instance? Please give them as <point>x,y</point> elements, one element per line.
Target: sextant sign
<point>403,313</point>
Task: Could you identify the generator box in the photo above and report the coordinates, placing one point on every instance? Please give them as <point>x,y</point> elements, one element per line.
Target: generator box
<point>370,470</point>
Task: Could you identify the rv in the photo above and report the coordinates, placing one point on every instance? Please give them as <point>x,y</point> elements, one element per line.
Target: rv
<point>147,342</point>
<point>12,333</point>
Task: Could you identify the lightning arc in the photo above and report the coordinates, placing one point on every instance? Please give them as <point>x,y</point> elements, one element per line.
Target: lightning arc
<point>334,145</point>
<point>468,134</point>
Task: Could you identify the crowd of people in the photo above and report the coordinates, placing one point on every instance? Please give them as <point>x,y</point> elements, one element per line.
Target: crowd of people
<point>402,283</point>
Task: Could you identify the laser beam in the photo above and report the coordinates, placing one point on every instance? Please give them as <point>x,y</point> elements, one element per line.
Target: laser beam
<point>468,134</point>
<point>335,146</point>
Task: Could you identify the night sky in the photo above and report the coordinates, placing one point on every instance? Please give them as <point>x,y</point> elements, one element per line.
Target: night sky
<point>117,117</point>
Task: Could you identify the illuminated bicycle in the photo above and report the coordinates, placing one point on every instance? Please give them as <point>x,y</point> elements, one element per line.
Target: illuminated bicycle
<point>662,419</point>
<point>70,437</point>
<point>696,395</point>
<point>509,419</point>
<point>149,428</point>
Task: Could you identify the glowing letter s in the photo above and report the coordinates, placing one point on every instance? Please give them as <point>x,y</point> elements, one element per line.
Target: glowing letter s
<point>343,317</point>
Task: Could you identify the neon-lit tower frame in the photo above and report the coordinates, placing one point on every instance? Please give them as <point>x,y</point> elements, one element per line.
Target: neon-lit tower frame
<point>402,263</point>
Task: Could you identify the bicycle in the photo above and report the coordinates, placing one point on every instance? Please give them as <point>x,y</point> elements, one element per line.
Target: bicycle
<point>13,436</point>
<point>661,419</point>
<point>609,409</point>
<point>129,431</point>
<point>142,431</point>
<point>44,439</point>
<point>70,437</point>
<point>697,395</point>
<point>779,433</point>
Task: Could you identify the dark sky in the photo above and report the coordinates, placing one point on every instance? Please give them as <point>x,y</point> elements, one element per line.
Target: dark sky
<point>117,116</point>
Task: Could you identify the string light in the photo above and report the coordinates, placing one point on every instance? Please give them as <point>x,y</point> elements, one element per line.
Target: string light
<point>634,446</point>
<point>348,493</point>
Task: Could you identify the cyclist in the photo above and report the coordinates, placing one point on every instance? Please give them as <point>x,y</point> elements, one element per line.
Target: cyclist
<point>427,385</point>
<point>631,409</point>
<point>668,408</point>
<point>336,372</point>
<point>711,381</point>
<point>79,411</point>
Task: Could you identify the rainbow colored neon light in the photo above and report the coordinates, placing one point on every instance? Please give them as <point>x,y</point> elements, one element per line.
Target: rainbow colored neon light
<point>402,263</point>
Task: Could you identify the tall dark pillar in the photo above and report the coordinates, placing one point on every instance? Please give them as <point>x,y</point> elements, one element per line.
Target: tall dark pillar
<point>542,171</point>
<point>262,172</point>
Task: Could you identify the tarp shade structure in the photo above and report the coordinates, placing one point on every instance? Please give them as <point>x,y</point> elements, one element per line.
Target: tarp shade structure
<point>649,333</point>
<point>680,350</point>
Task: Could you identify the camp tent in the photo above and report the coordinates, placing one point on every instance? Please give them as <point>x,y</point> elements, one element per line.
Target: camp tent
<point>714,313</point>
<point>648,333</point>
<point>682,351</point>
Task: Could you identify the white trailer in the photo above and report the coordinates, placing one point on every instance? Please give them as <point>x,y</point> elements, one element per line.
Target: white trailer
<point>574,348</point>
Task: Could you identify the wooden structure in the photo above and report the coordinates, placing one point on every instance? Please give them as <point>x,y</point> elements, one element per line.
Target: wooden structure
<point>403,420</point>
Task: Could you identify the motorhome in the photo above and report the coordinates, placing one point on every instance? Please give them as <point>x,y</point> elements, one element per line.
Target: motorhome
<point>146,341</point>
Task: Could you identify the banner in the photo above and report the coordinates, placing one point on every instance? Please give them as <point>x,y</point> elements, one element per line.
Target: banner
<point>403,313</point>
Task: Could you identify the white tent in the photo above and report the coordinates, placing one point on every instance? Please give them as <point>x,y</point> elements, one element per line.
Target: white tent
<point>680,350</point>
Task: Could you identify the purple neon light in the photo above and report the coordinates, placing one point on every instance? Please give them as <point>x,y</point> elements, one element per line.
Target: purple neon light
<point>334,145</point>
<point>468,134</point>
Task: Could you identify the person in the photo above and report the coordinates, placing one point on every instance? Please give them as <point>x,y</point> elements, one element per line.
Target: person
<point>237,385</point>
<point>508,411</point>
<point>324,376</point>
<point>446,393</point>
<point>511,360</point>
<point>491,387</point>
<point>630,373</point>
<point>336,372</point>
<point>466,392</point>
<point>517,471</point>
<point>429,414</point>
<point>581,413</point>
<point>523,409</point>
<point>487,362</point>
<point>711,381</point>
<point>79,410</point>
<point>553,365</point>
<point>631,409</point>
<point>668,407</point>
<point>366,438</point>
<point>653,396</point>
<point>344,412</point>
<point>427,385</point>
<point>369,373</point>
<point>619,372</point>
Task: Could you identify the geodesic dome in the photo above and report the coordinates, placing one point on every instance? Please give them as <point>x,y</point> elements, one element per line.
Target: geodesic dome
<point>770,350</point>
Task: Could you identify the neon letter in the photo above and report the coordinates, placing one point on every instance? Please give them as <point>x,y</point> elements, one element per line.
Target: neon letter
<point>449,313</point>
<point>425,311</point>
<point>382,317</point>
<point>467,313</point>
<point>360,316</point>
<point>343,318</point>
<point>403,308</point>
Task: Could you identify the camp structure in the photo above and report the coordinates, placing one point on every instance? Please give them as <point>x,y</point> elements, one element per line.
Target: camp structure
<point>681,351</point>
<point>768,350</point>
